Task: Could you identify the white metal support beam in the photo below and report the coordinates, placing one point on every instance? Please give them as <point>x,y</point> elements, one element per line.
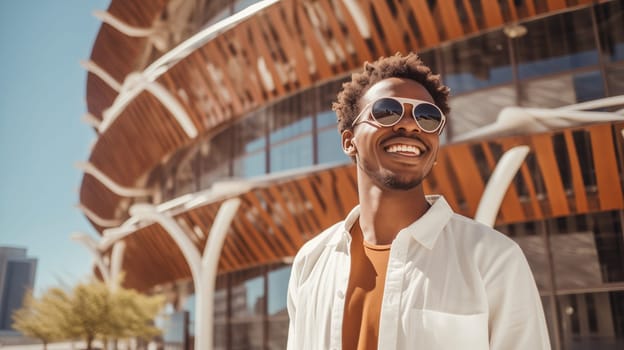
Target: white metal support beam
<point>116,188</point>
<point>99,72</point>
<point>497,185</point>
<point>92,246</point>
<point>98,219</point>
<point>203,266</point>
<point>121,26</point>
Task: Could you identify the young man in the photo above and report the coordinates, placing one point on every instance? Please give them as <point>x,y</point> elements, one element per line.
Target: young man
<point>403,271</point>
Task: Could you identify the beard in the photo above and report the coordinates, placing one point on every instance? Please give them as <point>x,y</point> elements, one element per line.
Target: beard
<point>395,182</point>
<point>391,180</point>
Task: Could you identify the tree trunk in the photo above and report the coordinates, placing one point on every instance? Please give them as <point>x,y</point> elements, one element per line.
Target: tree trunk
<point>45,345</point>
<point>89,341</point>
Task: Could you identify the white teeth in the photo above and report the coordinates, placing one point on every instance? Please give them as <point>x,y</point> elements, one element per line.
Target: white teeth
<point>403,149</point>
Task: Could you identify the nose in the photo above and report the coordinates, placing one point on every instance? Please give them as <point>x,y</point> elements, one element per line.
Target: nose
<point>407,123</point>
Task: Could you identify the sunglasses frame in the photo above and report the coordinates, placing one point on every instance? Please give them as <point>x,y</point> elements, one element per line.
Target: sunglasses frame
<point>402,101</point>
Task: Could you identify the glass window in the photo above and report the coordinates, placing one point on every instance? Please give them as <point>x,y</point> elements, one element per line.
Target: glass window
<point>299,127</point>
<point>592,320</point>
<point>615,80</point>
<point>250,165</point>
<point>249,145</point>
<point>216,10</point>
<point>588,86</point>
<point>247,299</point>
<point>477,63</point>
<point>587,250</point>
<point>477,109</point>
<point>556,43</point>
<point>276,305</point>
<point>189,306</point>
<point>293,154</point>
<point>562,90</point>
<point>278,286</point>
<point>327,119</point>
<point>610,17</point>
<point>247,307</point>
<point>329,147</point>
<point>247,336</point>
<point>328,140</point>
<point>530,237</point>
<point>291,132</point>
<point>214,159</point>
<point>243,4</point>
<point>429,58</point>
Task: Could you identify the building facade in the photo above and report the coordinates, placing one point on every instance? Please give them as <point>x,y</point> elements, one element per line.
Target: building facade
<point>17,276</point>
<point>196,102</point>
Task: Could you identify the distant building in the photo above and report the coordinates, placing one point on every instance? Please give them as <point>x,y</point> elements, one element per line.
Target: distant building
<point>17,275</point>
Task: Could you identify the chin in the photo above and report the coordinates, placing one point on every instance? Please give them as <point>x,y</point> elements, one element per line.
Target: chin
<point>401,184</point>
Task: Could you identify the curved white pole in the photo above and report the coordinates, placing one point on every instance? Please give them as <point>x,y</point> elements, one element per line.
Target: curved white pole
<point>92,246</point>
<point>99,72</point>
<point>497,185</point>
<point>174,107</point>
<point>203,269</point>
<point>358,16</point>
<point>148,212</point>
<point>90,119</point>
<point>121,26</point>
<point>161,94</point>
<point>96,218</point>
<point>210,264</point>
<point>115,264</point>
<point>123,191</point>
<point>112,235</point>
<point>593,104</point>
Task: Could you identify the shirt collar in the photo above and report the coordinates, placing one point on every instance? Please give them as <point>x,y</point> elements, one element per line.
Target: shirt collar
<point>425,230</point>
<point>345,227</point>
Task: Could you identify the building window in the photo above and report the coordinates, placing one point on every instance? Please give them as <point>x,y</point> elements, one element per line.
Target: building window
<point>329,141</point>
<point>247,304</point>
<point>250,145</point>
<point>556,43</point>
<point>276,307</point>
<point>477,63</point>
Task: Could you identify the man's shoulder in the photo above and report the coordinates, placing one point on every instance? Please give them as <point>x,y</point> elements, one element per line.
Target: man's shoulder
<point>479,233</point>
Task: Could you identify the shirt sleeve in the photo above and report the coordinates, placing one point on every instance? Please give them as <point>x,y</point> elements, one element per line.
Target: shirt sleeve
<point>292,310</point>
<point>516,316</point>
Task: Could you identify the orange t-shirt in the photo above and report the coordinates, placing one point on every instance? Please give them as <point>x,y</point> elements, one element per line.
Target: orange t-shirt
<point>369,262</point>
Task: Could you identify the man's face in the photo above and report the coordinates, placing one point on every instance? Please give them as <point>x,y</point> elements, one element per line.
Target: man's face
<point>397,157</point>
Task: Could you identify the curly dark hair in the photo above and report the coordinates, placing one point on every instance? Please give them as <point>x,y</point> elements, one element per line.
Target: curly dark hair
<point>409,66</point>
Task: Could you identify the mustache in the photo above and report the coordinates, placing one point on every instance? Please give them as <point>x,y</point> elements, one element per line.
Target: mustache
<point>403,134</point>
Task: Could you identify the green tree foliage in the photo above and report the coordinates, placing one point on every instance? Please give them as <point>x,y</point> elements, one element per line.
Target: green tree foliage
<point>90,311</point>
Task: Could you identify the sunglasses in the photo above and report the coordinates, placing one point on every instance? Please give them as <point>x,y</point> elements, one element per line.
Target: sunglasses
<point>388,111</point>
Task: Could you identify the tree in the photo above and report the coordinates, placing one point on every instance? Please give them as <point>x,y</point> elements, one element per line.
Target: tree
<point>36,319</point>
<point>99,312</point>
<point>132,315</point>
<point>89,311</point>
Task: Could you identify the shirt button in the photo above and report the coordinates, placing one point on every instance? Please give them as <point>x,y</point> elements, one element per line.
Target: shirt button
<point>340,294</point>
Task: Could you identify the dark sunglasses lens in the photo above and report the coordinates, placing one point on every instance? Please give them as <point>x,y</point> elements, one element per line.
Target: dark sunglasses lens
<point>387,111</point>
<point>428,116</point>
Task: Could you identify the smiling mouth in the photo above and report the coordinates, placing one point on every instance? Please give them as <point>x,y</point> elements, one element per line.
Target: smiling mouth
<point>405,150</point>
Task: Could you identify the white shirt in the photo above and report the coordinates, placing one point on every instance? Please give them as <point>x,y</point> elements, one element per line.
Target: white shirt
<point>452,283</point>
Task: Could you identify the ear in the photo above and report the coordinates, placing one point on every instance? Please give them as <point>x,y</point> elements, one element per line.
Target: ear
<point>348,147</point>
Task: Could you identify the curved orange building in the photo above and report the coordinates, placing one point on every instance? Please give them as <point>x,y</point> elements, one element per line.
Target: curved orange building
<point>198,102</point>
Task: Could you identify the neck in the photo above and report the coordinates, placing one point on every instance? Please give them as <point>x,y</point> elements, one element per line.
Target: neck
<point>384,212</point>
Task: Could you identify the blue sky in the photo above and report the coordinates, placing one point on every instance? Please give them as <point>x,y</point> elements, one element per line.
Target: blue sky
<point>42,98</point>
